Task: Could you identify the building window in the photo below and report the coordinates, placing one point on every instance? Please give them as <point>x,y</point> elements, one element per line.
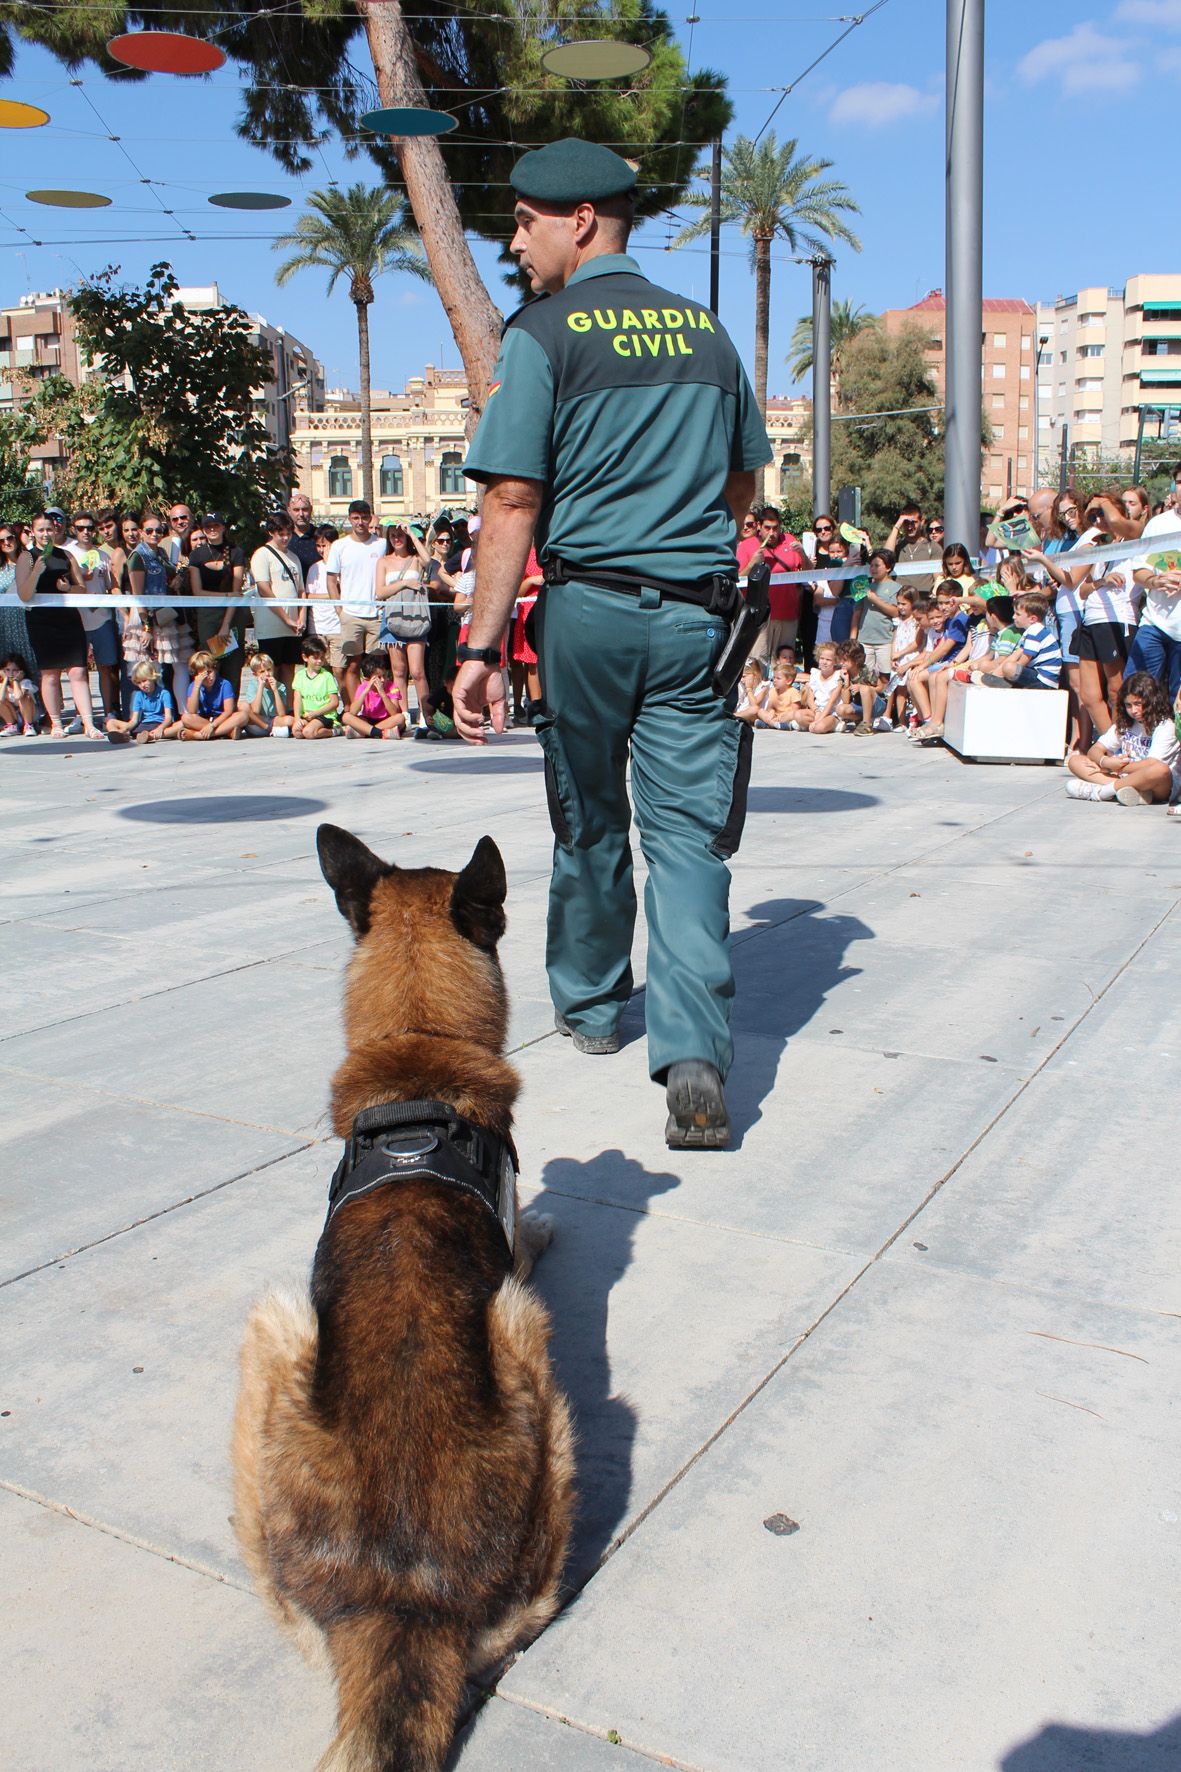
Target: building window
<point>1023,403</point>
<point>998,402</point>
<point>340,477</point>
<point>1091,351</point>
<point>390,477</point>
<point>1023,433</point>
<point>789,473</point>
<point>1025,372</point>
<point>998,372</point>
<point>451,472</point>
<point>1026,342</point>
<point>998,341</point>
<point>998,432</point>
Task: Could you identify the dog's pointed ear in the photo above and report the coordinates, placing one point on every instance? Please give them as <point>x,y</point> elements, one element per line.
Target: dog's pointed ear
<point>477,898</point>
<point>352,871</point>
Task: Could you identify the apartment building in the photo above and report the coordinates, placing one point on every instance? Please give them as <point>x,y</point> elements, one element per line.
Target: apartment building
<point>419,445</point>
<point>37,339</point>
<point>1107,357</point>
<point>1008,373</point>
<point>298,375</point>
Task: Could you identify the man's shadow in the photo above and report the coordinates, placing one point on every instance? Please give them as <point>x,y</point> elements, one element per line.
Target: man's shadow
<point>1060,1747</point>
<point>786,961</point>
<point>591,1251</point>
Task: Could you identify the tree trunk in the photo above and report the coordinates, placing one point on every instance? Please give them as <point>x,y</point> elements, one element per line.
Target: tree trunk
<point>762,333</point>
<point>474,316</point>
<point>366,413</point>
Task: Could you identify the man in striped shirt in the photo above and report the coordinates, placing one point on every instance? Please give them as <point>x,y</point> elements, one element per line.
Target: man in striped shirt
<point>1037,661</point>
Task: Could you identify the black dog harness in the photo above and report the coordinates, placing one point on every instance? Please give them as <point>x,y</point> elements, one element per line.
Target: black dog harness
<point>427,1140</point>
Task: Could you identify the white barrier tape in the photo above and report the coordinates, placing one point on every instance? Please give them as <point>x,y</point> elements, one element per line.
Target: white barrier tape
<point>1166,542</point>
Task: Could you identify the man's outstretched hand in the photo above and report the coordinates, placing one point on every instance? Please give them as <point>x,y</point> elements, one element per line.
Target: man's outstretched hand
<point>476,687</point>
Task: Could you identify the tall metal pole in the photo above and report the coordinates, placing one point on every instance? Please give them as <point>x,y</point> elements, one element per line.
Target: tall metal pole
<point>821,384</point>
<point>964,281</point>
<point>715,221</point>
<point>1139,449</point>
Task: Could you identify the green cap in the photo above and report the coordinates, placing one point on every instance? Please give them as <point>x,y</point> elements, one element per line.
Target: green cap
<point>572,171</point>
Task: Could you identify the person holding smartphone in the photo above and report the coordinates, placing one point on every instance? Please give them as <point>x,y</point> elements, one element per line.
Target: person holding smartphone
<point>57,635</point>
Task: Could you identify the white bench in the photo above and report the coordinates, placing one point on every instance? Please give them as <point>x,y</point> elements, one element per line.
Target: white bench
<point>1005,725</point>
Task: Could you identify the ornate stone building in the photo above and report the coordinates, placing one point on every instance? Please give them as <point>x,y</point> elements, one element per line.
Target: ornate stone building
<point>419,444</point>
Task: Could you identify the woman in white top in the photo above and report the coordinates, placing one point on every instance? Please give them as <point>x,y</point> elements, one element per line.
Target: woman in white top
<point>400,589</point>
<point>278,627</point>
<point>324,620</point>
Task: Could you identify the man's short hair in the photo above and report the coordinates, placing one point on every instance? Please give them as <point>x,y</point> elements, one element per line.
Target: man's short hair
<point>360,507</point>
<point>770,513</point>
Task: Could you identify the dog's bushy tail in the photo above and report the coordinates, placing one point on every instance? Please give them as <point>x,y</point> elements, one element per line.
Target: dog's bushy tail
<point>400,1683</point>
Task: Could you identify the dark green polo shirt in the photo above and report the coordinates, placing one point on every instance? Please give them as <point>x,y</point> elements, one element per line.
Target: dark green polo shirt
<point>631,406</point>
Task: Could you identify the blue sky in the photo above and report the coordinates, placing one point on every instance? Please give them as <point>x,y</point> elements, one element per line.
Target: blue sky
<point>1070,190</point>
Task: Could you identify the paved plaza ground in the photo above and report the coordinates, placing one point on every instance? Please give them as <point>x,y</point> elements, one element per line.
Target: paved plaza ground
<point>877,1412</point>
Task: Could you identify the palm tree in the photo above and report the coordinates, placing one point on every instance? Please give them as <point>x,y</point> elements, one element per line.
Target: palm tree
<point>847,321</point>
<point>773,194</point>
<point>358,233</point>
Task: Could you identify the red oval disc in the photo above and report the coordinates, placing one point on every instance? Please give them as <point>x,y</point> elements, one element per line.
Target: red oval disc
<point>166,52</point>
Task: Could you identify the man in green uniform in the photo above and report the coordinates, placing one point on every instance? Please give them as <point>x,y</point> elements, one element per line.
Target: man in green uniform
<point>621,430</point>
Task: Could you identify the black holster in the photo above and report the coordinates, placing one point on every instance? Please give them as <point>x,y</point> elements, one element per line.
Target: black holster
<point>750,618</point>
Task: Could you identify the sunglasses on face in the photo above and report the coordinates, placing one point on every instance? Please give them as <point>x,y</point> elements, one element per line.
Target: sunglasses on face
<point>84,528</point>
<point>149,532</point>
<point>824,529</point>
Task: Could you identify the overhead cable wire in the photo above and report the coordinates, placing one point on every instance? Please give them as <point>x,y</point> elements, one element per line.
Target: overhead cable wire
<point>823,56</point>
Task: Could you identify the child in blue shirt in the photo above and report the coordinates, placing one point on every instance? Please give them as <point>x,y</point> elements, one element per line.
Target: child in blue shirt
<point>153,711</point>
<point>210,711</point>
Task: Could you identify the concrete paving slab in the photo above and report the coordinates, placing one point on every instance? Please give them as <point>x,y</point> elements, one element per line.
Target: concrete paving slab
<point>1045,1202</point>
<point>838,1146</point>
<point>237,1040</point>
<point>113,1163</point>
<point>504,1737</point>
<point>169,1670</point>
<point>987,1543</point>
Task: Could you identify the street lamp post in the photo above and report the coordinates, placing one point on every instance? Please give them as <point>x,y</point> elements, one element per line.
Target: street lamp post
<point>821,382</point>
<point>964,220</point>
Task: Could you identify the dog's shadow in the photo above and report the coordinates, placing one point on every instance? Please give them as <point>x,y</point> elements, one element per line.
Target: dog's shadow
<point>591,1251</point>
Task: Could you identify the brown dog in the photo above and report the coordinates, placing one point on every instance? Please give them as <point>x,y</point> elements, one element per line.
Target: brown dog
<point>403,1463</point>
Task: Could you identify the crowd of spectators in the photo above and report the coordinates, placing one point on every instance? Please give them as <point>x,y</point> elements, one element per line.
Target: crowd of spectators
<point>314,634</point>
<point>310,634</point>
<point>878,648</point>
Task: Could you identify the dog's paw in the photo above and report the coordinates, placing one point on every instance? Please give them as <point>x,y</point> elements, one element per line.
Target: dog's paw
<point>536,1232</point>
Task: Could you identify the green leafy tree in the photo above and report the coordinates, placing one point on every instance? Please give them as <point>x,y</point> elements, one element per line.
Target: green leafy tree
<point>171,411</point>
<point>357,233</point>
<point>304,83</point>
<point>893,458</point>
<point>846,322</point>
<point>22,492</point>
<point>774,193</point>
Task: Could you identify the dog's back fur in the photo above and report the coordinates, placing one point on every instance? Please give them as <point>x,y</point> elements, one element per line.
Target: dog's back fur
<point>403,1465</point>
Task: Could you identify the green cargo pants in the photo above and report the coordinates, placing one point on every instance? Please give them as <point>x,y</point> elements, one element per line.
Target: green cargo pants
<point>626,677</point>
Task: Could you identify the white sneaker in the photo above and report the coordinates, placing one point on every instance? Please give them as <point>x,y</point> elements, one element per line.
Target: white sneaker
<point>1089,790</point>
<point>881,724</point>
<point>280,732</point>
<point>74,726</point>
<point>1130,796</point>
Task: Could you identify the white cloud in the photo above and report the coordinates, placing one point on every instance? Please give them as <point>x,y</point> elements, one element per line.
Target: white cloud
<point>1162,14</point>
<point>1086,61</point>
<point>877,102</point>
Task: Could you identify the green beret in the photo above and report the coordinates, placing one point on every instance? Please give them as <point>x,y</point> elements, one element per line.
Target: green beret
<point>572,171</point>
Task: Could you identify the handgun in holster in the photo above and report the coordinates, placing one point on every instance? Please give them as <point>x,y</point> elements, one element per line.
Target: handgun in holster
<point>750,618</point>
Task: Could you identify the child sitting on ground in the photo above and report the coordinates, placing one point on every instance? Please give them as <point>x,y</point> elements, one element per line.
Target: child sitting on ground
<point>859,688</point>
<point>153,711</point>
<point>822,692</point>
<point>375,711</point>
<point>265,710</point>
<point>316,693</point>
<point>209,711</point>
<point>1037,662</point>
<point>753,691</point>
<point>947,634</point>
<point>1138,759</point>
<point>18,698</point>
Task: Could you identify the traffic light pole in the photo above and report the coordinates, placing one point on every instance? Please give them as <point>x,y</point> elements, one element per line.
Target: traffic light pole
<point>965,215</point>
<point>821,384</point>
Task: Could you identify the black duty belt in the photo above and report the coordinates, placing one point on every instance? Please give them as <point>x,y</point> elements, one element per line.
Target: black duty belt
<point>427,1140</point>
<point>719,594</point>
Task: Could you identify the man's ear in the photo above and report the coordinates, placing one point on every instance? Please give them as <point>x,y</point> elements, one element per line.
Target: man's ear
<point>352,871</point>
<point>477,898</point>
